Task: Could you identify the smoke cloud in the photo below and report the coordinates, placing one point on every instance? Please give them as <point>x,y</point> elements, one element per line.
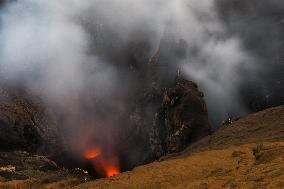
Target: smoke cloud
<point>260,26</point>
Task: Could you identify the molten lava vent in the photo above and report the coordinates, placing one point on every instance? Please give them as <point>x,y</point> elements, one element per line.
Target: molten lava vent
<point>104,165</point>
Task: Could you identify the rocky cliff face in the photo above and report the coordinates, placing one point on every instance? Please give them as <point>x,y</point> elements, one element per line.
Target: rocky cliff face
<point>181,119</point>
<point>164,121</point>
<point>168,112</point>
<point>25,123</point>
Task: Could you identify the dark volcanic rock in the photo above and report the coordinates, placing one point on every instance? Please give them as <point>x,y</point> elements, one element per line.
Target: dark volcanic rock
<point>181,117</point>
<point>164,121</point>
<point>169,111</point>
<point>24,123</point>
<point>180,120</point>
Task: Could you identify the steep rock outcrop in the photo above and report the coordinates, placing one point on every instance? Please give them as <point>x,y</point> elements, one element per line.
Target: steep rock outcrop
<point>169,111</point>
<point>164,121</point>
<point>181,120</point>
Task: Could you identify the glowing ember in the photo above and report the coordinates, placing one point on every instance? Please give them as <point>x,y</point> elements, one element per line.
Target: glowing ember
<point>92,154</point>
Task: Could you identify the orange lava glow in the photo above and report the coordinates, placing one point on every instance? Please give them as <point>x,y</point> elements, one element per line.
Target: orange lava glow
<point>91,154</point>
<point>104,165</point>
<point>111,171</point>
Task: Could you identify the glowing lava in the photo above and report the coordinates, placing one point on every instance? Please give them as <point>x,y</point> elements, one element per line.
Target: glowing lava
<point>104,165</point>
<point>91,154</point>
<point>111,171</point>
<point>106,168</point>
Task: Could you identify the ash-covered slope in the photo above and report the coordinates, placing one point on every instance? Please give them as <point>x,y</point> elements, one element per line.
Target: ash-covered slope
<point>265,126</point>
<point>247,166</point>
